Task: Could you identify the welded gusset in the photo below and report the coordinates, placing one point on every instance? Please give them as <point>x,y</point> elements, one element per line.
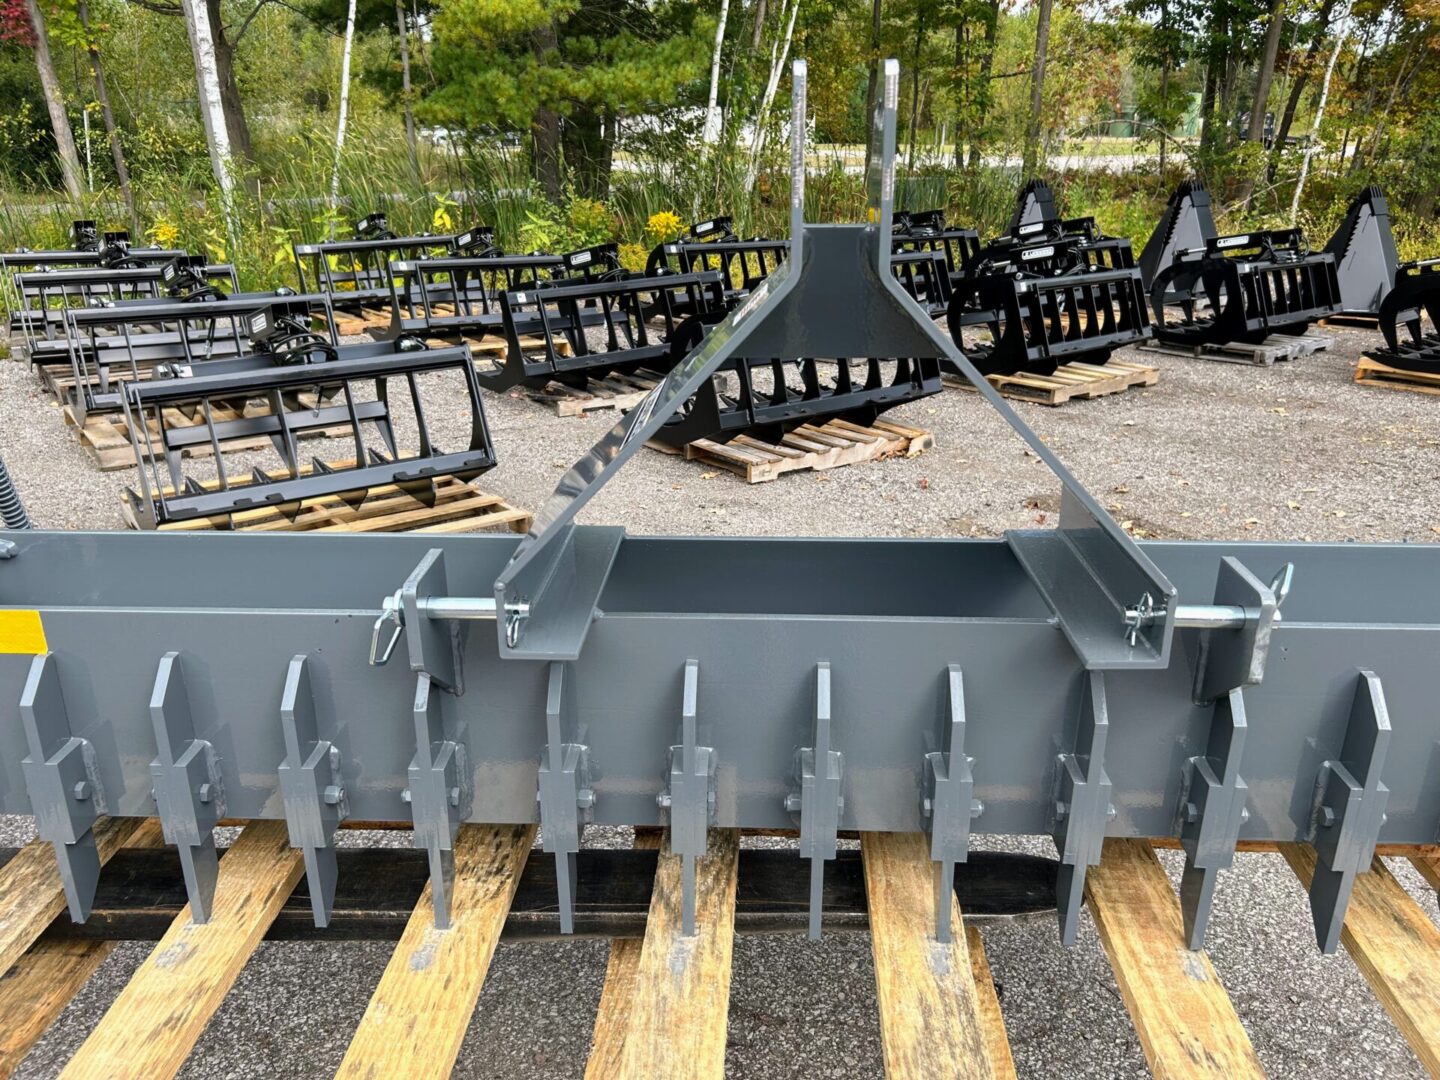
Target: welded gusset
<point>311,786</point>
<point>353,393</point>
<point>688,801</point>
<point>62,783</point>
<point>46,296</point>
<point>438,792</point>
<point>566,799</point>
<point>1082,804</point>
<point>1349,810</point>
<point>458,297</point>
<point>1257,284</point>
<point>1410,319</point>
<point>1364,248</point>
<point>816,802</point>
<point>189,795</point>
<point>949,805</point>
<point>611,325</point>
<point>1212,809</point>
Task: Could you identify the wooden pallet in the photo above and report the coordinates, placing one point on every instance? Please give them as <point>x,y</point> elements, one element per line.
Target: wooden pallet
<point>1353,320</point>
<point>1272,350</point>
<point>106,436</point>
<point>357,323</point>
<point>1373,373</point>
<point>458,508</point>
<point>664,1007</point>
<point>619,392</point>
<point>828,446</point>
<point>1070,382</point>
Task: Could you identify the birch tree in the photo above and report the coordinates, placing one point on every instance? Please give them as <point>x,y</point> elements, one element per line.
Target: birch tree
<point>712,110</point>
<point>55,104</point>
<point>344,107</point>
<point>779,54</point>
<point>212,109</point>
<point>405,89</point>
<point>1342,23</point>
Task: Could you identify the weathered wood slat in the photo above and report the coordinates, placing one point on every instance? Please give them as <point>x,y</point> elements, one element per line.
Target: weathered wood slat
<point>1186,1022</point>
<point>41,983</point>
<point>682,988</point>
<point>1396,947</point>
<point>932,1022</point>
<point>31,893</point>
<point>992,1022</point>
<point>1428,867</point>
<point>416,1019</point>
<point>157,1019</point>
<point>612,1018</point>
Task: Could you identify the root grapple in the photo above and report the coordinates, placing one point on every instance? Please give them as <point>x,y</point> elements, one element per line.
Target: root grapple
<point>1048,298</point>
<point>575,330</point>
<point>1186,225</point>
<point>711,245</point>
<point>454,298</point>
<point>1256,284</point>
<point>357,272</point>
<point>925,230</point>
<point>378,399</point>
<point>1410,319</point>
<point>1363,246</point>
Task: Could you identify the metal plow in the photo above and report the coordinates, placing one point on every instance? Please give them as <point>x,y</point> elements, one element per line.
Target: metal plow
<point>1066,682</point>
<point>376,402</point>
<point>1255,284</point>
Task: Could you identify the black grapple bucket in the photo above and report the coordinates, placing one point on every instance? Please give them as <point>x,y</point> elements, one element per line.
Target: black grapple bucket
<point>1410,320</point>
<point>1186,225</point>
<point>1365,257</point>
<point>457,298</point>
<point>1256,284</point>
<point>575,331</point>
<point>380,406</point>
<point>1046,304</point>
<point>925,230</point>
<point>713,246</point>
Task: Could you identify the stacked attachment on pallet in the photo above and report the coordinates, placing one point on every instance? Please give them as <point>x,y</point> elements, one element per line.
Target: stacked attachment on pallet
<point>599,321</point>
<point>1186,225</point>
<point>1255,284</point>
<point>1047,299</point>
<point>87,250</point>
<point>712,245</point>
<point>454,298</point>
<point>357,272</point>
<point>1366,261</point>
<point>925,230</point>
<point>349,392</point>
<point>1410,320</point>
<point>46,296</point>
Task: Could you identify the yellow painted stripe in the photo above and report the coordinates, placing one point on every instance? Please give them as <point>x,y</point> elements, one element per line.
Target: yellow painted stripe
<point>22,632</point>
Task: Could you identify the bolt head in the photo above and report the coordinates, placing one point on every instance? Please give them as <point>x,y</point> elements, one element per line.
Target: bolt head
<point>206,792</point>
<point>1192,812</point>
<point>793,803</point>
<point>81,791</point>
<point>333,795</point>
<point>663,800</point>
<point>1327,817</point>
<point>977,807</point>
<point>405,796</point>
<point>1244,815</point>
<point>585,799</point>
<point>1062,810</point>
<point>927,807</point>
<point>454,796</point>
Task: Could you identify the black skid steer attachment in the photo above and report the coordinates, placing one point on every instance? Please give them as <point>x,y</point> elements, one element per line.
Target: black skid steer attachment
<point>458,297</point>
<point>1365,257</point>
<point>925,230</point>
<point>357,272</point>
<point>1256,284</point>
<point>713,245</point>
<point>1068,295</point>
<point>1410,319</point>
<point>349,392</point>
<point>1187,223</point>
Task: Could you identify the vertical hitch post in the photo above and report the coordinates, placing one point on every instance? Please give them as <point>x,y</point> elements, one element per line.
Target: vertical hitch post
<point>948,805</point>
<point>1082,804</point>
<point>63,784</point>
<point>817,801</point>
<point>312,788</point>
<point>688,800</point>
<point>566,799</point>
<point>1349,810</point>
<point>188,791</point>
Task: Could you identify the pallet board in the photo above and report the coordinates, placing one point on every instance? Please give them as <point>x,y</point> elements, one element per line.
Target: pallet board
<point>1357,320</point>
<point>458,507</point>
<point>826,446</point>
<point>418,1014</point>
<point>1275,348</point>
<point>1070,382</point>
<point>1373,373</point>
<point>619,392</point>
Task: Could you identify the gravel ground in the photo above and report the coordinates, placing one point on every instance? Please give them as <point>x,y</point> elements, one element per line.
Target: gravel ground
<point>1214,451</point>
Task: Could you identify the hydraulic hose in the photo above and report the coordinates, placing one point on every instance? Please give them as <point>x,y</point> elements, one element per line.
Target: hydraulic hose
<point>12,510</point>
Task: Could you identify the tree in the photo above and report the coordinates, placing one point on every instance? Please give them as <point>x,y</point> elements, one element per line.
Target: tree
<point>1256,128</point>
<point>712,108</point>
<point>406,93</point>
<point>1037,84</point>
<point>575,65</point>
<point>55,103</point>
<point>977,26</point>
<point>344,108</point>
<point>212,108</point>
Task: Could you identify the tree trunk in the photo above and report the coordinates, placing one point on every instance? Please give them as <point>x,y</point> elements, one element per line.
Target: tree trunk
<point>987,65</point>
<point>212,108</point>
<point>236,126</point>
<point>583,137</point>
<point>872,83</point>
<point>102,95</point>
<point>1255,130</point>
<point>545,126</point>
<point>344,108</point>
<point>779,53</point>
<point>1319,116</point>
<point>915,85</point>
<point>711,134</point>
<point>1292,103</point>
<point>55,104</point>
<point>1037,85</point>
<point>406,95</point>
<point>758,31</point>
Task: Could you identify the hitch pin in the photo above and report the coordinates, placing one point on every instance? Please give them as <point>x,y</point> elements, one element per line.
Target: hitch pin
<point>1204,616</point>
<point>392,614</point>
